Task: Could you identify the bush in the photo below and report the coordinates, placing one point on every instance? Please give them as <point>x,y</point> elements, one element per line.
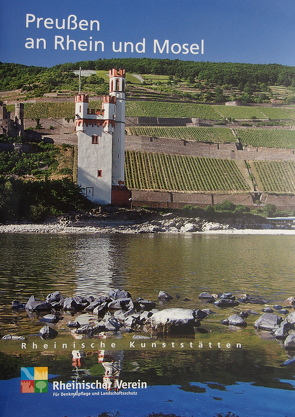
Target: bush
<point>270,210</point>
<point>225,206</point>
<point>240,208</point>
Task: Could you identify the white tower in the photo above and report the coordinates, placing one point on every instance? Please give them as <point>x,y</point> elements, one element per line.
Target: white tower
<point>101,144</point>
<point>117,89</point>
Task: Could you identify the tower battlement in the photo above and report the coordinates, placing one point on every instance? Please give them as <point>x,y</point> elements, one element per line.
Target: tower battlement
<point>81,98</point>
<point>117,73</point>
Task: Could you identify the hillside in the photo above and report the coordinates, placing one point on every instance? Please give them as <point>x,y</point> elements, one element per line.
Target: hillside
<point>179,150</point>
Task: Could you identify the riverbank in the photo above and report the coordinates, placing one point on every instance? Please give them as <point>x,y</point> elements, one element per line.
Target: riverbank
<point>144,221</point>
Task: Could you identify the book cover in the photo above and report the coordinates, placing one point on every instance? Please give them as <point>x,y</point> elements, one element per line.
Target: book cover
<point>146,208</point>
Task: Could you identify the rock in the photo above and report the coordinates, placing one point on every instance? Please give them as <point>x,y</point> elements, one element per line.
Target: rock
<point>70,304</point>
<point>54,297</point>
<point>235,320</point>
<point>290,318</point>
<point>116,294</point>
<point>95,303</point>
<point>246,298</point>
<point>144,305</point>
<point>267,310</point>
<point>81,302</point>
<point>50,318</point>
<point>268,321</point>
<point>284,311</point>
<point>188,228</point>
<point>101,309</point>
<point>200,314</point>
<point>226,302</point>
<point>281,331</point>
<point>13,337</point>
<point>56,300</point>
<point>74,324</point>
<point>173,320</point>
<point>290,342</point>
<point>277,307</point>
<point>17,305</point>
<point>33,305</point>
<point>288,362</point>
<point>112,324</point>
<point>244,314</point>
<point>291,301</point>
<point>227,296</point>
<point>164,296</point>
<point>48,333</point>
<point>206,296</point>
<point>121,303</point>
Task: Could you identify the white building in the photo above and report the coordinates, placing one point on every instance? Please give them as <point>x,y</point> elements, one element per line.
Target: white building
<point>101,136</point>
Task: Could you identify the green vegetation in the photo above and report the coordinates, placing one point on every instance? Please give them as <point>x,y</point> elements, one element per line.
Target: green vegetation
<point>155,171</point>
<point>270,138</point>
<point>201,134</point>
<point>276,176</point>
<point>41,162</point>
<point>35,200</point>
<point>199,81</point>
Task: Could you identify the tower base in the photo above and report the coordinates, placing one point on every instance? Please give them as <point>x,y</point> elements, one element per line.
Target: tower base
<point>120,195</point>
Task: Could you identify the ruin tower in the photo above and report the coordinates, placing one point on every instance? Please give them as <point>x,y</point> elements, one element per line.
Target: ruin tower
<point>19,112</point>
<point>101,144</point>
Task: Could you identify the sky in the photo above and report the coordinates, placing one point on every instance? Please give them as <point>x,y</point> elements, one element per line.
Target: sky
<point>247,31</point>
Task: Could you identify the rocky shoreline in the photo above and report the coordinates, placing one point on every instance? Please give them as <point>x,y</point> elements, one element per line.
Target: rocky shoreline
<point>144,221</point>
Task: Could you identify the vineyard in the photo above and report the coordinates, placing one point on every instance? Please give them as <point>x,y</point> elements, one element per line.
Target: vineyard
<point>271,138</point>
<point>155,171</point>
<point>201,134</point>
<point>171,109</point>
<point>276,177</point>
<point>251,112</point>
<point>165,109</point>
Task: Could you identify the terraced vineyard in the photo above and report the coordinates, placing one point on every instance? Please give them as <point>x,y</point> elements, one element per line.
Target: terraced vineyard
<point>252,112</point>
<point>201,134</point>
<point>270,138</point>
<point>155,171</point>
<point>47,110</point>
<point>170,109</point>
<point>276,176</point>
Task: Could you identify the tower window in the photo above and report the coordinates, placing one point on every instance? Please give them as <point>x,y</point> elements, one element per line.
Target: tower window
<point>99,173</point>
<point>95,139</point>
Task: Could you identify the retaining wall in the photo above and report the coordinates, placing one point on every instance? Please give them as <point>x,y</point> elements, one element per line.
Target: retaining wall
<point>213,150</point>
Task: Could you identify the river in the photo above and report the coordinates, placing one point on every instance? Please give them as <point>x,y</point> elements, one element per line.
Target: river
<point>198,381</point>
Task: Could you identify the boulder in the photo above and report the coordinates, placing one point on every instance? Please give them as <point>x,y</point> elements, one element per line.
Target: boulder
<point>70,304</point>
<point>164,296</point>
<point>226,302</point>
<point>206,296</point>
<point>268,321</point>
<point>34,305</point>
<point>173,320</point>
<point>290,342</point>
<point>290,318</point>
<point>281,331</point>
<point>115,294</point>
<point>50,318</point>
<point>17,305</point>
<point>145,305</point>
<point>48,333</point>
<point>13,337</point>
<point>235,320</point>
